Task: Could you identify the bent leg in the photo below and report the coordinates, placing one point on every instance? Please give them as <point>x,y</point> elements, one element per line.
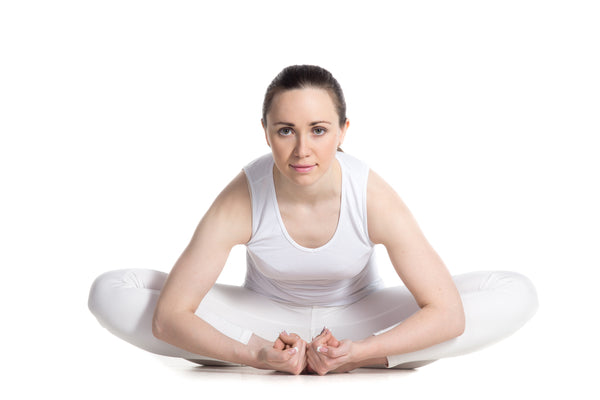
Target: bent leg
<point>124,301</point>
<point>496,305</point>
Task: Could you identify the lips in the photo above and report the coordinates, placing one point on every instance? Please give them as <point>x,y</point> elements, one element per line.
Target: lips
<point>303,168</point>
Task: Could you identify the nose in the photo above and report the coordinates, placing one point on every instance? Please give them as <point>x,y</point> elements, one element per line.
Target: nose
<point>302,146</point>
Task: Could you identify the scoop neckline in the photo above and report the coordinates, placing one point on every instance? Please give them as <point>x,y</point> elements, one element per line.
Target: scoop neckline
<point>280,218</point>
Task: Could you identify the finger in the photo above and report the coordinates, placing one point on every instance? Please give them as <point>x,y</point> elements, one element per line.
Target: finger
<point>301,346</point>
<point>319,336</point>
<point>330,339</point>
<point>317,358</point>
<point>333,352</point>
<point>323,349</point>
<point>325,333</point>
<point>315,363</point>
<point>333,342</point>
<point>289,338</point>
<point>279,345</point>
<point>322,339</point>
<point>280,356</point>
<point>321,344</point>
<point>343,350</point>
<point>322,364</point>
<point>297,361</point>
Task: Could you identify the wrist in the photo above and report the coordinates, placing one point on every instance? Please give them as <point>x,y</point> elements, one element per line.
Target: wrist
<point>362,350</point>
<point>250,353</point>
<point>367,352</point>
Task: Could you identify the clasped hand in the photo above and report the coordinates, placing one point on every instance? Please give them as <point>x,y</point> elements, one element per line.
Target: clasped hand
<point>322,355</point>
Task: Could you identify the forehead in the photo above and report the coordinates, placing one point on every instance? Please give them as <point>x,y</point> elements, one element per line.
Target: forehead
<point>303,103</point>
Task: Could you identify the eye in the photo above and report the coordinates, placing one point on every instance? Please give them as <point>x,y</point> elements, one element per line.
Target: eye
<point>285,131</point>
<point>319,131</point>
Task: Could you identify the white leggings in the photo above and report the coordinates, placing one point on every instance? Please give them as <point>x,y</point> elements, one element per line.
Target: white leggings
<point>496,305</point>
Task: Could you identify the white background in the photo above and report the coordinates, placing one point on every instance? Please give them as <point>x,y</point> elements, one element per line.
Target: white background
<point>120,122</point>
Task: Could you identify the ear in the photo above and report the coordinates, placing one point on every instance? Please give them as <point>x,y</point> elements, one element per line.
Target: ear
<point>343,130</point>
<point>262,122</point>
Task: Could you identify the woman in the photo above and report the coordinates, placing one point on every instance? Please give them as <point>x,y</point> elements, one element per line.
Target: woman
<point>310,216</point>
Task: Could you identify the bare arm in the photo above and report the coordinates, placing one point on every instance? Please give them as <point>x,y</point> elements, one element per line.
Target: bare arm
<point>441,315</point>
<point>227,223</point>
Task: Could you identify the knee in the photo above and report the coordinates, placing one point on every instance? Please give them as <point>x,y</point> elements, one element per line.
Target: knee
<point>119,298</point>
<point>528,293</point>
<point>103,292</point>
<point>100,294</point>
<point>520,289</point>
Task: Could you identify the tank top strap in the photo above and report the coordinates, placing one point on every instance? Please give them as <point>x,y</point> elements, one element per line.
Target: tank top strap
<point>259,174</point>
<point>338,273</point>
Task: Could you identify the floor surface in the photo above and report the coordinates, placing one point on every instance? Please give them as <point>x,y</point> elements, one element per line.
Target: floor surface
<point>521,367</point>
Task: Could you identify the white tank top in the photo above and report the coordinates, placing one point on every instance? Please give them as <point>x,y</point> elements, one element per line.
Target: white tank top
<point>340,272</point>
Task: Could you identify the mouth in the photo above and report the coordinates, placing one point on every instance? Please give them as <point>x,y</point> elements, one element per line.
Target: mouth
<point>303,168</point>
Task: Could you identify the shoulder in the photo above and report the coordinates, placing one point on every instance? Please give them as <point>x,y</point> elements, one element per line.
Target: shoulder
<point>387,214</point>
<point>379,188</point>
<point>354,164</point>
<point>259,168</point>
<point>231,212</point>
<point>235,194</point>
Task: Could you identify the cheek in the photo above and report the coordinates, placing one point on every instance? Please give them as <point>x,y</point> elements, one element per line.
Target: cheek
<point>279,147</point>
<point>334,138</point>
<point>280,152</point>
<point>331,144</point>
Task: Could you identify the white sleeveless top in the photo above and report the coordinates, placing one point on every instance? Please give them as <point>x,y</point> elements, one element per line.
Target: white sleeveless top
<point>340,272</point>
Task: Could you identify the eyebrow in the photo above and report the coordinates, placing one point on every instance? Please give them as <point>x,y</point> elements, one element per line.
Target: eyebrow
<point>311,124</point>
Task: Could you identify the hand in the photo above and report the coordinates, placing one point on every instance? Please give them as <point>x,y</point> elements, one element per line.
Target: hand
<point>288,354</point>
<point>325,354</point>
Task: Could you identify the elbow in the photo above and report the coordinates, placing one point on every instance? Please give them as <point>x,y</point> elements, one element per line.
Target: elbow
<point>452,321</point>
<point>158,327</point>
<point>166,324</point>
<point>458,321</point>
<point>460,325</point>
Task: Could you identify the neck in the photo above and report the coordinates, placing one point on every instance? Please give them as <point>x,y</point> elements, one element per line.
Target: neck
<point>330,184</point>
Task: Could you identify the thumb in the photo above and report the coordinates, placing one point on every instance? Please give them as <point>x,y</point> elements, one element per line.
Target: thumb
<point>341,350</point>
<point>326,337</point>
<point>332,341</point>
<point>334,352</point>
<point>282,355</point>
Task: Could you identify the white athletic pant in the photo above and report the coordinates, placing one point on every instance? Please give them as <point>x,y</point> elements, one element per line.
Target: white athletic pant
<point>496,305</point>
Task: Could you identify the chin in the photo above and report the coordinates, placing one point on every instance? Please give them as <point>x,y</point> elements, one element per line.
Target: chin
<point>303,180</point>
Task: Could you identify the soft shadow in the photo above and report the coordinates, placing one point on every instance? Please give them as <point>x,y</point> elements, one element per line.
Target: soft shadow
<point>248,373</point>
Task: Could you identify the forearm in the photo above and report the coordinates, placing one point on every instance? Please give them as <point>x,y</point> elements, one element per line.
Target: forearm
<point>189,332</point>
<point>425,328</point>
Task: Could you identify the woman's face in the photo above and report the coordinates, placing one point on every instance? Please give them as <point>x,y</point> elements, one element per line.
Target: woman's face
<point>303,131</point>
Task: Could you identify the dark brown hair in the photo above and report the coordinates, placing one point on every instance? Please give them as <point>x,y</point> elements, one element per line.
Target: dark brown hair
<point>306,76</point>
